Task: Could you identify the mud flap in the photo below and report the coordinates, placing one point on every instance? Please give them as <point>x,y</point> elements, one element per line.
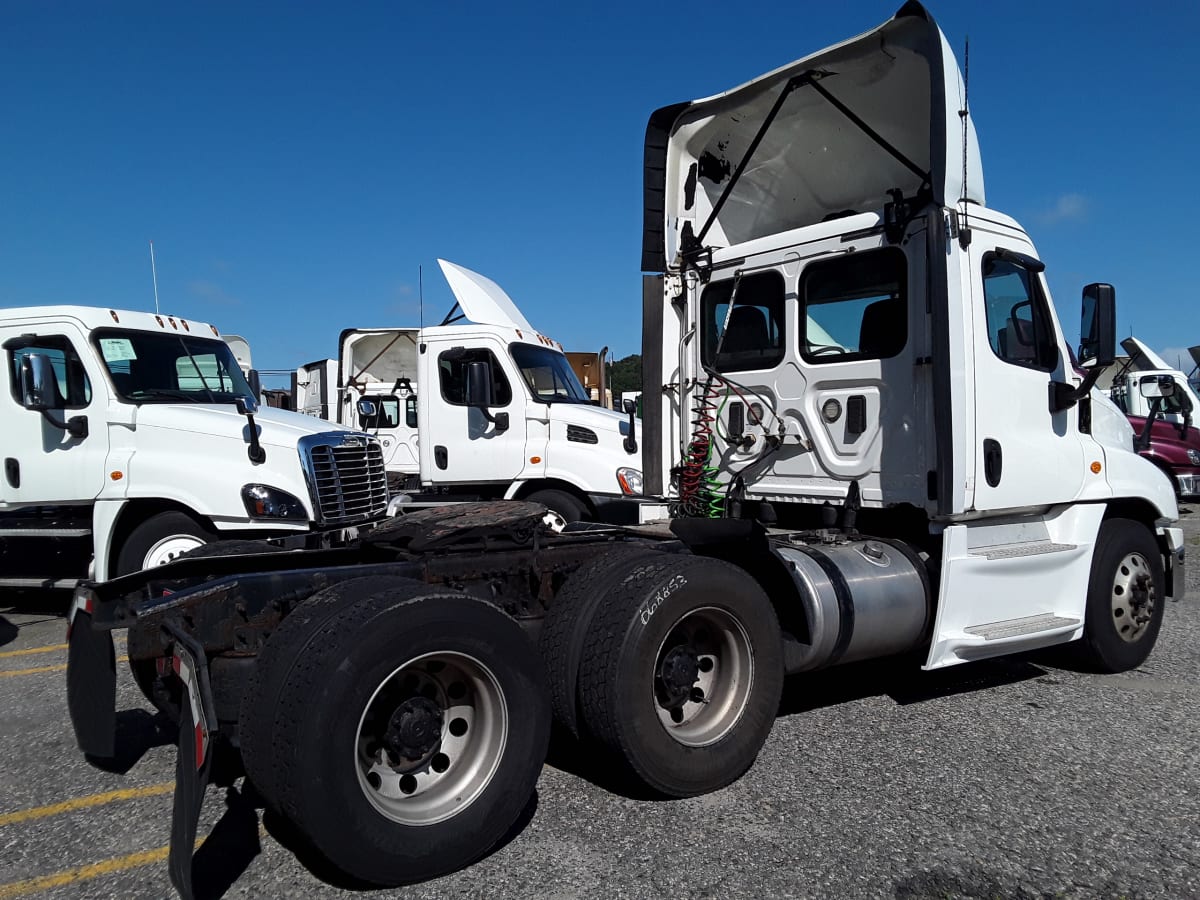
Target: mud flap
<point>194,759</point>
<point>91,680</point>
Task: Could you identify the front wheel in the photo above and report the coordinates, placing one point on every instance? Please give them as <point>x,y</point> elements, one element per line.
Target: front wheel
<point>401,732</point>
<point>1125,598</point>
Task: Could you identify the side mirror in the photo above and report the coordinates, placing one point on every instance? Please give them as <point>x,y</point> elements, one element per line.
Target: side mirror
<point>255,382</point>
<point>1156,386</point>
<point>629,406</point>
<point>39,386</point>
<point>479,385</point>
<point>1098,326</point>
<point>366,408</point>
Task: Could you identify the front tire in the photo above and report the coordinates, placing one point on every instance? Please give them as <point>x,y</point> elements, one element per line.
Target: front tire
<point>1125,602</point>
<point>565,505</point>
<point>401,732</point>
<point>682,676</point>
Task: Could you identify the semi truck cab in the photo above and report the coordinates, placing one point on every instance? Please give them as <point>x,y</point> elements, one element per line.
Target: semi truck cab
<point>133,437</point>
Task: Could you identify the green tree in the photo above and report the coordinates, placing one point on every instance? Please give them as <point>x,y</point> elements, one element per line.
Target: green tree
<point>625,374</point>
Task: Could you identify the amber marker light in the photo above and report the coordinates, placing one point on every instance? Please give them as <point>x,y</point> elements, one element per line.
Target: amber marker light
<point>535,459</point>
<point>1096,467</point>
<point>116,476</point>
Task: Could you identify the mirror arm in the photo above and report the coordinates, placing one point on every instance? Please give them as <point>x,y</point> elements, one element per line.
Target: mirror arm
<point>1142,441</point>
<point>76,426</point>
<point>1064,396</point>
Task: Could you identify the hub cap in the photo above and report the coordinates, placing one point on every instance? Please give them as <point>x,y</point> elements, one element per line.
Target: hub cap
<point>170,548</point>
<point>431,738</point>
<point>1133,597</point>
<point>703,674</point>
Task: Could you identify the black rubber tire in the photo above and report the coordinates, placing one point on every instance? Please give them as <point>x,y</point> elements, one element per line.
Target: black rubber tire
<point>164,696</point>
<point>144,536</point>
<point>315,677</point>
<point>571,508</point>
<point>616,676</point>
<point>568,621</point>
<point>1101,648</point>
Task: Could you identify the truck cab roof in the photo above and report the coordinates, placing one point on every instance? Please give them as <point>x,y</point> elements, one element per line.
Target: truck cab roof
<point>90,317</point>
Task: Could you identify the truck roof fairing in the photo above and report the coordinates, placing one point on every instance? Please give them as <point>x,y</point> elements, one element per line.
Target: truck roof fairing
<point>814,162</point>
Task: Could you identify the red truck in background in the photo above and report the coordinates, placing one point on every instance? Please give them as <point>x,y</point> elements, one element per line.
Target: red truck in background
<point>1172,441</point>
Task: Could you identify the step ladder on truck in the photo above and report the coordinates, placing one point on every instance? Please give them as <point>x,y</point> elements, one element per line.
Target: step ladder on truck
<point>869,441</point>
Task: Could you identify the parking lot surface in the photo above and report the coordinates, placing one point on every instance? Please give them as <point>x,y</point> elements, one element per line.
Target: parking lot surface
<point>1007,778</point>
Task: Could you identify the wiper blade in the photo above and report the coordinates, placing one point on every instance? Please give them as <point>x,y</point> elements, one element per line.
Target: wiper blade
<point>168,393</point>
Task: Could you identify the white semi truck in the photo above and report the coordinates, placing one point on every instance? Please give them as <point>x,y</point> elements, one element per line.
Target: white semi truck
<point>871,442</point>
<point>132,437</point>
<point>539,437</point>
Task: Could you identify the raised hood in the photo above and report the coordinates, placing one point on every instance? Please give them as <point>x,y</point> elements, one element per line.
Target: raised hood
<point>823,153</point>
<point>481,299</point>
<point>1143,358</point>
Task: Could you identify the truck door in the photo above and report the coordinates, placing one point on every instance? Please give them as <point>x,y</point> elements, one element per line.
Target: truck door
<point>1026,455</point>
<point>43,463</point>
<point>460,445</point>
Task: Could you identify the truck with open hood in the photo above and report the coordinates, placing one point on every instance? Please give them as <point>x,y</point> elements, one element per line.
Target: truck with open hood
<point>869,440</point>
<point>1160,403</point>
<point>480,406</point>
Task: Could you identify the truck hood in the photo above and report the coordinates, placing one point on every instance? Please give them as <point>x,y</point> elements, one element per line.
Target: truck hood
<point>277,427</point>
<point>1142,356</point>
<point>813,163</point>
<point>595,417</point>
<point>481,299</point>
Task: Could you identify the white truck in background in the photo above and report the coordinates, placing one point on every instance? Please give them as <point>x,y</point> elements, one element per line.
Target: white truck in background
<point>132,437</point>
<point>486,408</point>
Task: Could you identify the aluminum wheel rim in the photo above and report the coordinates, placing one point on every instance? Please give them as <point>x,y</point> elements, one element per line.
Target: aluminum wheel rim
<point>465,753</point>
<point>170,549</point>
<point>1133,598</point>
<point>721,691</point>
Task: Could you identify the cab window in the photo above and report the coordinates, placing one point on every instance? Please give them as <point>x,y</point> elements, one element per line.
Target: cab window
<point>452,373</point>
<point>1017,322</point>
<point>387,414</point>
<point>74,387</point>
<point>855,307</point>
<point>750,336</point>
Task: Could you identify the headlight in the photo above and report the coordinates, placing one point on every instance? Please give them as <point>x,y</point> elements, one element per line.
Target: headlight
<point>264,502</point>
<point>630,480</point>
<point>1194,456</point>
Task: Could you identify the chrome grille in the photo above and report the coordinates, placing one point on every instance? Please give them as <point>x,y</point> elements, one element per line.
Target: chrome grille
<point>346,477</point>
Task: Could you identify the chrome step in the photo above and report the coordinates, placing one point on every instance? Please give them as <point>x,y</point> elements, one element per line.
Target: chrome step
<point>44,532</point>
<point>46,583</point>
<point>1009,628</point>
<point>1029,548</point>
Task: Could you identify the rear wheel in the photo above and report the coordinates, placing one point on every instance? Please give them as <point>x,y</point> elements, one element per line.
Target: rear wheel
<point>401,732</point>
<point>682,676</point>
<point>1125,598</point>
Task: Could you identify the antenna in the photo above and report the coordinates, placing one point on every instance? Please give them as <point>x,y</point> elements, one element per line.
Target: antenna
<point>421,295</point>
<point>154,276</point>
<point>964,234</point>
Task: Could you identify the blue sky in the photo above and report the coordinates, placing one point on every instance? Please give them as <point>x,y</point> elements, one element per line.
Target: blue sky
<point>296,163</point>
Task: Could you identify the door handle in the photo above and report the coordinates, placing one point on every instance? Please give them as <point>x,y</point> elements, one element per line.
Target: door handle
<point>12,471</point>
<point>993,462</point>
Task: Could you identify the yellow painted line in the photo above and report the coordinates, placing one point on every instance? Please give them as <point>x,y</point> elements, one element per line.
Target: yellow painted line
<point>49,648</point>
<point>32,650</point>
<point>92,870</point>
<point>60,667</point>
<point>75,803</point>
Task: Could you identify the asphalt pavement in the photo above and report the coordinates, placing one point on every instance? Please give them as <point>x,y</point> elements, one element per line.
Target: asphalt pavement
<point>1012,778</point>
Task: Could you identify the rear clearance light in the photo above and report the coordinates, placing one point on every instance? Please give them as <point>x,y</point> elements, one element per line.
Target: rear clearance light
<point>83,601</point>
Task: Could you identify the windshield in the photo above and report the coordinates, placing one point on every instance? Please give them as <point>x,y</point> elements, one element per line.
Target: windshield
<point>548,374</point>
<point>145,367</point>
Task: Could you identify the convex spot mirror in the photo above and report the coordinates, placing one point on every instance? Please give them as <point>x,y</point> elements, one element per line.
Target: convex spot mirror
<point>39,386</point>
<point>366,408</point>
<point>1156,386</point>
<point>1098,326</point>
